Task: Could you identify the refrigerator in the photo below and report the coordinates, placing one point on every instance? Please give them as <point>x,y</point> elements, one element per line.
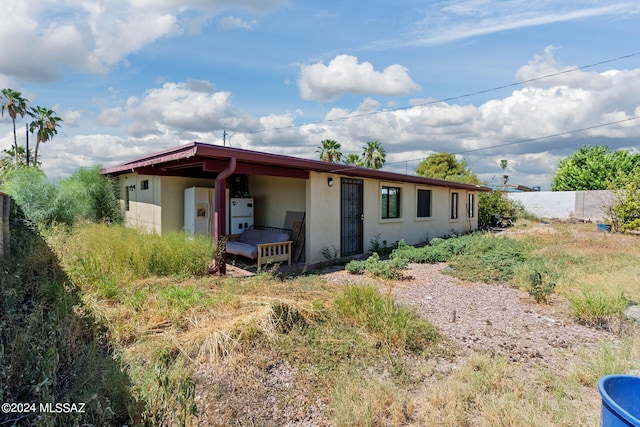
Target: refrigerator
<point>240,214</point>
<point>198,210</point>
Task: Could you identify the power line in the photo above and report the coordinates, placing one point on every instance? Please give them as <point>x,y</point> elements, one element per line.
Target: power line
<point>555,135</point>
<point>569,132</point>
<point>452,98</point>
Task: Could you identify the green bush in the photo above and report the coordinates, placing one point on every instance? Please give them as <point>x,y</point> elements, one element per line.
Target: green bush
<point>85,195</point>
<point>538,288</point>
<point>495,202</point>
<point>386,269</point>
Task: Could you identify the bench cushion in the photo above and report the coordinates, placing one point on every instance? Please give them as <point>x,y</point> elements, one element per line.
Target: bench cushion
<point>252,236</point>
<point>242,249</point>
<point>247,244</point>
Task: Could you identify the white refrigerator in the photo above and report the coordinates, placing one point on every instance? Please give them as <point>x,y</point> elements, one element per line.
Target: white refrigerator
<point>199,205</point>
<point>240,214</point>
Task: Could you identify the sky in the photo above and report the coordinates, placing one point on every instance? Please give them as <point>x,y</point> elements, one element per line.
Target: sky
<point>524,81</point>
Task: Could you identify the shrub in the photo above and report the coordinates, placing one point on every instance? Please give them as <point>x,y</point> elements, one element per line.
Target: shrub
<point>386,269</point>
<point>85,195</point>
<point>495,202</point>
<point>538,289</point>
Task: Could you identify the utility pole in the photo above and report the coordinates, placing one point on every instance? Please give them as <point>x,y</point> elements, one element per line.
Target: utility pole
<point>26,128</point>
<point>224,138</point>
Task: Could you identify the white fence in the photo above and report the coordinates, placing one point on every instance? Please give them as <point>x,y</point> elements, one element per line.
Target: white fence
<point>585,205</point>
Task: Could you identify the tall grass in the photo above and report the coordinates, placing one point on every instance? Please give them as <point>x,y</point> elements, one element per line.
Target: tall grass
<point>597,307</point>
<point>52,348</point>
<point>105,256</point>
<point>397,327</point>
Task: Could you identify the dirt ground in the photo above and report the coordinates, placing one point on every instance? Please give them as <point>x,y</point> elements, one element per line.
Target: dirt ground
<point>472,317</point>
<point>489,318</point>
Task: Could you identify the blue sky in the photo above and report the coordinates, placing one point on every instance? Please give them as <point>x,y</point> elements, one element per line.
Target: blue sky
<point>131,77</point>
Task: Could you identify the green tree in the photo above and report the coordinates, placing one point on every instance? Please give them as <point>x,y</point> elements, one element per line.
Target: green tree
<point>594,168</point>
<point>44,124</point>
<point>9,161</point>
<point>15,105</point>
<point>496,202</point>
<point>329,151</point>
<point>353,160</point>
<point>503,166</point>
<point>624,209</point>
<point>373,155</point>
<point>445,166</point>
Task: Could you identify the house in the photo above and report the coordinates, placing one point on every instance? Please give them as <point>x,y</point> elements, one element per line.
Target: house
<point>337,207</point>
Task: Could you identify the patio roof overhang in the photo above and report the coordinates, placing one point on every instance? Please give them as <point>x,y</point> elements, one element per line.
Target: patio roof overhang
<point>205,160</point>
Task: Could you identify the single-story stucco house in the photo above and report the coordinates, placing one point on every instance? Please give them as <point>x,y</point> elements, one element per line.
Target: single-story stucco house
<point>337,207</point>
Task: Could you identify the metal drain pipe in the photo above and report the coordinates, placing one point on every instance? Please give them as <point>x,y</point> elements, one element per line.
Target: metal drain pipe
<point>220,214</point>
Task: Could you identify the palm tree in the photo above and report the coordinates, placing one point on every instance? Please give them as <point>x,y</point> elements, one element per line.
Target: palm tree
<point>353,159</point>
<point>329,151</point>
<point>45,123</point>
<point>373,155</point>
<point>14,104</point>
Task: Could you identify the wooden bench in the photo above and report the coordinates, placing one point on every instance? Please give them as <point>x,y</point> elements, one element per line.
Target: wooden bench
<point>261,243</point>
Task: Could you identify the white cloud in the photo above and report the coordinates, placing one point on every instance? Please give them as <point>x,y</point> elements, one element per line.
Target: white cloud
<point>41,38</point>
<point>193,106</point>
<point>233,23</point>
<point>453,20</point>
<point>344,74</point>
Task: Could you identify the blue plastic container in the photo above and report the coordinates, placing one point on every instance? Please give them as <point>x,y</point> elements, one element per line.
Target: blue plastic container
<point>603,227</point>
<point>620,401</point>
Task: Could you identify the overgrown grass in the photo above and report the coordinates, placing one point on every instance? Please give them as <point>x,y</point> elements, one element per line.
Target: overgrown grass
<point>105,257</point>
<point>268,344</point>
<point>492,391</point>
<point>52,348</point>
<point>397,327</point>
<point>597,307</point>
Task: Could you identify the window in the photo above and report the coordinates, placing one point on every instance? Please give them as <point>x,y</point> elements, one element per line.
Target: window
<point>454,205</point>
<point>472,199</point>
<point>390,202</point>
<point>424,204</point>
<point>144,184</point>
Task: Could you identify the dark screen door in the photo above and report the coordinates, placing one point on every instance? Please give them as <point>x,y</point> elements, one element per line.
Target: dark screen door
<point>351,208</point>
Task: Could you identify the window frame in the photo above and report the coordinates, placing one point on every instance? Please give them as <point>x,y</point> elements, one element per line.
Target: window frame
<point>454,202</point>
<point>398,195</point>
<point>471,208</point>
<point>430,204</point>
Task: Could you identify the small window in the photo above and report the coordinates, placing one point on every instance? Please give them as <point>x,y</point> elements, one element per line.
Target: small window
<point>390,202</point>
<point>472,208</point>
<point>144,184</point>
<point>454,205</point>
<point>424,204</point>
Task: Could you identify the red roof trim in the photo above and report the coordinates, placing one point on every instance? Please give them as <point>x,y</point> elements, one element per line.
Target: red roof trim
<point>208,151</point>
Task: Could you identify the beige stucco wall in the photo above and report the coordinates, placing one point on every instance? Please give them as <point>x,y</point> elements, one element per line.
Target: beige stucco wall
<point>274,196</point>
<point>323,215</point>
<point>160,208</point>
